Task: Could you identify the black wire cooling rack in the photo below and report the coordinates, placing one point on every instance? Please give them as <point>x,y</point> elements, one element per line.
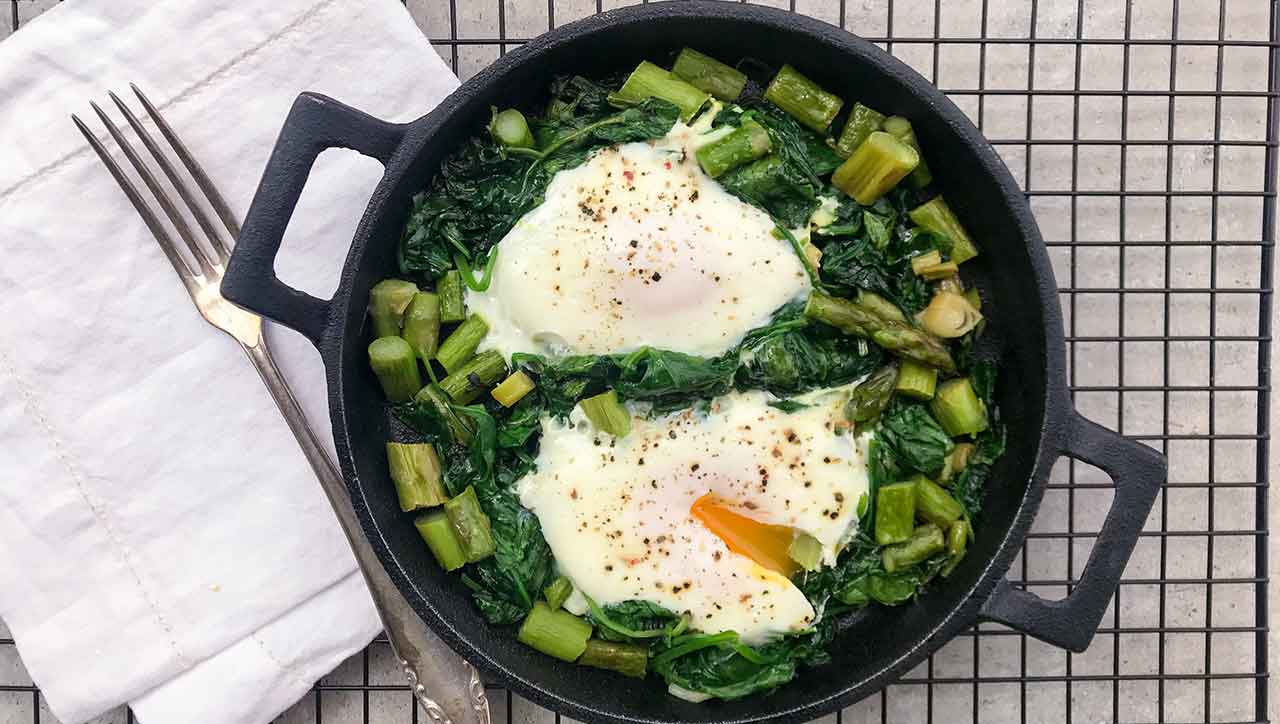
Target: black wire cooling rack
<point>1144,135</point>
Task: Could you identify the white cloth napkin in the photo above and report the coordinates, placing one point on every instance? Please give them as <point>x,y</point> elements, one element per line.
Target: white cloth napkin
<point>162,540</point>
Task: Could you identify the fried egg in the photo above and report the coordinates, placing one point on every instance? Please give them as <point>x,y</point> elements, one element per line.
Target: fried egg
<point>637,247</point>
<point>632,518</point>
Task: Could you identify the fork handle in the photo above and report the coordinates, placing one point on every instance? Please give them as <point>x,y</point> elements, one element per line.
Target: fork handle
<point>431,667</point>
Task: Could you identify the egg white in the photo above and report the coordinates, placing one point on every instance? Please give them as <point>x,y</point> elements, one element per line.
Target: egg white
<point>637,247</point>
<point>616,512</point>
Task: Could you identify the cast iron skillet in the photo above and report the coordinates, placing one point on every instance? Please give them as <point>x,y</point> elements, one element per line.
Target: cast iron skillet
<point>1025,330</point>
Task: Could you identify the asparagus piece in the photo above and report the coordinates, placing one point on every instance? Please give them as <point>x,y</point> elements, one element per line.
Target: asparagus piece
<point>461,429</point>
<point>898,337</point>
<point>925,542</point>
<point>895,512</point>
<point>901,128</point>
<point>939,271</point>
<point>803,99</point>
<point>862,122</point>
<point>557,592</point>
<point>872,395</point>
<point>482,372</point>
<point>806,550</point>
<point>387,302</point>
<point>471,524</point>
<point>449,289</point>
<point>513,389</point>
<point>393,362</point>
<point>958,536</point>
<point>934,504</point>
<point>956,460</point>
<point>607,414</point>
<point>746,143</point>
<point>934,215</point>
<point>880,306</point>
<point>554,633</point>
<point>461,345</point>
<point>875,167</point>
<point>422,325</point>
<point>958,408</point>
<point>651,81</point>
<point>920,262</point>
<point>949,315</point>
<point>916,380</point>
<point>974,299</point>
<point>437,531</point>
<point>509,128</point>
<point>628,659</point>
<point>706,73</point>
<point>415,470</point>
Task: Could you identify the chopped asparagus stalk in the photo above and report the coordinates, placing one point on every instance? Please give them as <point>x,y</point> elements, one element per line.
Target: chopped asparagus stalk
<point>943,270</point>
<point>875,167</point>
<point>958,536</point>
<point>557,593</point>
<point>607,414</point>
<point>934,504</point>
<point>421,327</point>
<point>474,377</point>
<point>924,542</point>
<point>949,315</point>
<point>872,395</point>
<point>803,99</point>
<point>935,216</point>
<point>916,380</point>
<point>651,81</point>
<point>746,143</point>
<point>415,469</point>
<point>461,429</point>
<point>706,73</point>
<point>628,659</point>
<point>509,128</point>
<point>902,130</point>
<point>387,302</point>
<point>958,408</point>
<point>974,299</point>
<point>895,512</point>
<point>881,306</point>
<point>920,262</point>
<point>471,524</point>
<point>899,338</point>
<point>956,460</point>
<point>449,289</point>
<point>554,633</point>
<point>393,362</point>
<point>461,345</point>
<point>437,531</point>
<point>862,122</point>
<point>806,550</point>
<point>513,389</point>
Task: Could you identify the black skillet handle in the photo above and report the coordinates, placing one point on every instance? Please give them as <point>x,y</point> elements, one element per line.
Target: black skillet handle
<point>1138,471</point>
<point>315,123</point>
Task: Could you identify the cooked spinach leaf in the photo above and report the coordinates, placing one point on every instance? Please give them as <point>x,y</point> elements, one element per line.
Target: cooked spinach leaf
<point>913,438</point>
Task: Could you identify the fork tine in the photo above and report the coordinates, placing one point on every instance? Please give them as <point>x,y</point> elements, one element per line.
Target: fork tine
<point>135,197</point>
<point>184,231</point>
<point>201,216</point>
<point>193,167</point>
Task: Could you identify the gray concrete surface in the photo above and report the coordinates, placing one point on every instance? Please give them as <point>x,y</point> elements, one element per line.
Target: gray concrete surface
<point>1207,389</point>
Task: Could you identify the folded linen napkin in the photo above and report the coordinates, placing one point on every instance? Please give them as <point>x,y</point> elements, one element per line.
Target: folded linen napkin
<point>162,540</point>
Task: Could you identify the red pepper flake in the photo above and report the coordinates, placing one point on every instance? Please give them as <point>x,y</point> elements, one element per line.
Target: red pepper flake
<point>629,175</point>
<point>667,165</point>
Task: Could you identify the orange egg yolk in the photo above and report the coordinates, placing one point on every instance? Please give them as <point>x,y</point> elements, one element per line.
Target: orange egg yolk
<point>766,544</point>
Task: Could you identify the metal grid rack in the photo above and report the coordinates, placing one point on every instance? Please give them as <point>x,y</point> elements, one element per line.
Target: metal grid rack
<point>1144,134</point>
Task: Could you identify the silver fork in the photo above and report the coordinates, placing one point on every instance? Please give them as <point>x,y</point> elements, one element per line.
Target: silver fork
<point>456,692</point>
